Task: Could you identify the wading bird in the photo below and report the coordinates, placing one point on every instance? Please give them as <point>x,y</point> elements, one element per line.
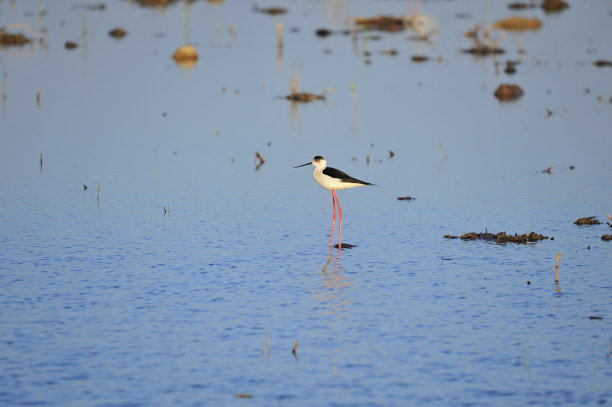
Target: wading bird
<point>333,179</point>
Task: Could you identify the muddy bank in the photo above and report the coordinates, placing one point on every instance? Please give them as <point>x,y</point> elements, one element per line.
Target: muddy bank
<point>502,237</point>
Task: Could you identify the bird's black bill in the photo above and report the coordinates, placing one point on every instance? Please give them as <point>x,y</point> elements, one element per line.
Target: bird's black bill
<point>302,165</point>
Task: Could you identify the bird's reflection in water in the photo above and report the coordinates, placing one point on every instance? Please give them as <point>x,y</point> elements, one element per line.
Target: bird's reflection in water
<point>334,296</point>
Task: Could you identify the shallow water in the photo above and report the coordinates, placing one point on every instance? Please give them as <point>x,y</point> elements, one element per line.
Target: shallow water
<point>193,274</point>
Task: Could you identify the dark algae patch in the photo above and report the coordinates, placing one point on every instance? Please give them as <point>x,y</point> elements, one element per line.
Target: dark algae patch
<point>590,220</point>
<point>502,237</point>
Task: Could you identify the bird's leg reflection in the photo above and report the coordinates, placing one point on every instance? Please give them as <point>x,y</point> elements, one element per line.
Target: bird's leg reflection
<point>333,297</point>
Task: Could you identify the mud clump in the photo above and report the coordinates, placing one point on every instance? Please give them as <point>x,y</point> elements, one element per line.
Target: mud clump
<point>325,32</point>
<point>482,50</point>
<point>518,24</point>
<point>304,97</point>
<point>589,220</point>
<point>502,237</point>
<point>117,33</point>
<point>345,246</point>
<point>272,11</point>
<point>186,56</point>
<point>520,6</point>
<point>383,23</point>
<point>155,3</point>
<point>506,92</point>
<point>17,40</point>
<point>554,6</point>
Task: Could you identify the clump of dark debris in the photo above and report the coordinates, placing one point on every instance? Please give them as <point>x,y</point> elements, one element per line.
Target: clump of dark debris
<point>589,220</point>
<point>502,237</point>
<point>345,246</point>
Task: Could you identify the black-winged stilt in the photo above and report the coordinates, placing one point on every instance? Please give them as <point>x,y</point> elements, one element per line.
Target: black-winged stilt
<point>333,179</point>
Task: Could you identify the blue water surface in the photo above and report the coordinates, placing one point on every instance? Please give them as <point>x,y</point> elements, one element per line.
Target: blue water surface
<point>185,273</point>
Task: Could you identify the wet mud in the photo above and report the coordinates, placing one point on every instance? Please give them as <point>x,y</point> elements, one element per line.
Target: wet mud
<point>508,92</point>
<point>502,237</point>
<point>117,33</point>
<point>384,23</point>
<point>590,220</point>
<point>10,39</point>
<point>345,246</point>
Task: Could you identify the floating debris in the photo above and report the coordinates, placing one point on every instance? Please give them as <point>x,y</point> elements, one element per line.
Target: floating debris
<point>17,40</point>
<point>602,63</point>
<point>71,45</point>
<point>451,237</point>
<point>305,97</point>
<point>506,92</point>
<point>502,237</point>
<point>419,58</point>
<point>186,56</point>
<point>324,32</point>
<point>84,187</point>
<point>517,24</point>
<point>92,7</point>
<point>155,3</point>
<point>571,167</point>
<point>554,6</point>
<point>480,49</point>
<point>589,220</point>
<point>260,161</point>
<point>244,396</point>
<point>606,237</point>
<point>384,23</point>
<point>511,67</point>
<point>520,6</point>
<point>391,154</point>
<point>405,198</point>
<point>595,317</point>
<point>548,170</point>
<point>294,351</point>
<point>390,52</point>
<point>272,11</point>
<point>117,33</point>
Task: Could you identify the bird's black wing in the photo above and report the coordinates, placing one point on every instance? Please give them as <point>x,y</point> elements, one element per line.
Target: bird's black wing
<point>334,173</point>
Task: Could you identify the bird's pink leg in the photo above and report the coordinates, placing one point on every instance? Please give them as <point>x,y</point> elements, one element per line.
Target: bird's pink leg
<point>333,221</point>
<point>340,223</point>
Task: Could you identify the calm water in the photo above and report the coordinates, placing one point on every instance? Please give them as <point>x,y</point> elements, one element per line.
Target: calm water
<point>190,278</point>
